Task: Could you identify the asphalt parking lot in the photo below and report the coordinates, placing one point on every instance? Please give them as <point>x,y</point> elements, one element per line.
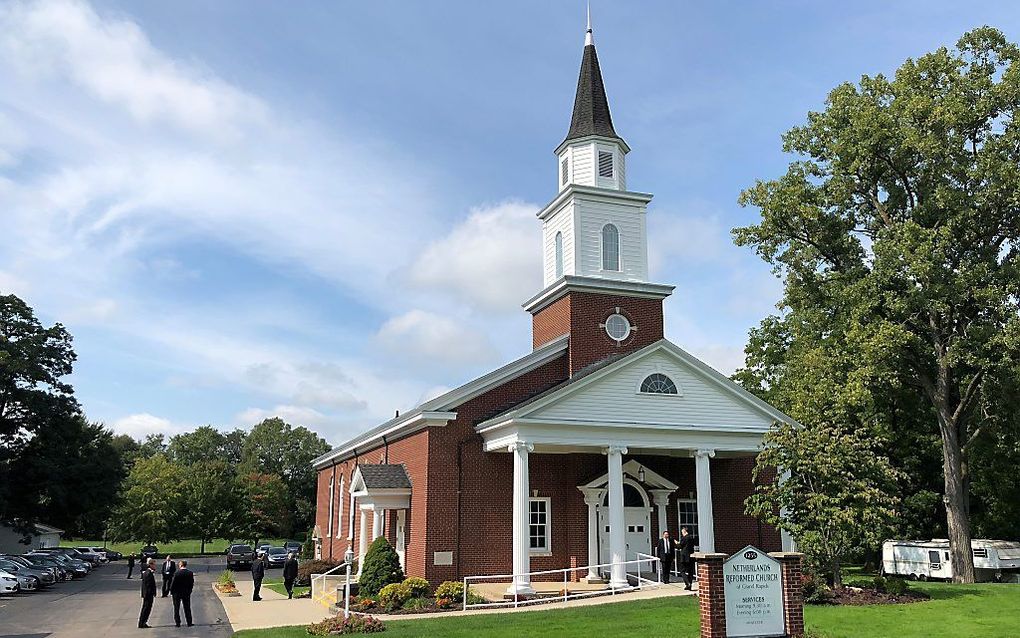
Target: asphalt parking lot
<point>106,604</point>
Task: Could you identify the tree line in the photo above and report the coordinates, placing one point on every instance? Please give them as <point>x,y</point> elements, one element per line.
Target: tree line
<point>897,345</point>
<point>58,467</point>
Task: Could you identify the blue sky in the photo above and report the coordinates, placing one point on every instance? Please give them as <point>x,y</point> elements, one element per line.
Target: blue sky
<point>325,210</point>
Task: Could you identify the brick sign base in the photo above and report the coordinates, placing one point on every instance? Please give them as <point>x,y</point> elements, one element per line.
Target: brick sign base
<point>712,596</point>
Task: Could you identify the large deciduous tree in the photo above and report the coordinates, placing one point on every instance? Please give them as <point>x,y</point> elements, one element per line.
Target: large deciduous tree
<point>213,502</point>
<point>152,503</point>
<point>900,226</point>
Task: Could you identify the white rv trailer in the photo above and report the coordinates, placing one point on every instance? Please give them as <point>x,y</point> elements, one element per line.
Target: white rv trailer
<point>923,560</point>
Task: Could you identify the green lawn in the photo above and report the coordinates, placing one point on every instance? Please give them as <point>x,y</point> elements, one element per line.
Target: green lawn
<point>189,547</point>
<point>957,611</point>
<point>276,584</point>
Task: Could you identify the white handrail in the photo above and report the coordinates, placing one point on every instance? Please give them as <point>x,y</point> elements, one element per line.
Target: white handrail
<point>566,573</point>
<point>317,578</point>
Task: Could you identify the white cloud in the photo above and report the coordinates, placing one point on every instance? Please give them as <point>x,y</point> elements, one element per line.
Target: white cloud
<point>492,260</point>
<point>697,236</point>
<point>293,414</point>
<point>140,425</point>
<point>725,359</point>
<point>426,338</point>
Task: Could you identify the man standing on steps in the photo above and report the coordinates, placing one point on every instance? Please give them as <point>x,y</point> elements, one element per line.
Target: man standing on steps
<point>666,549</point>
<point>258,572</point>
<point>148,575</point>
<point>290,574</point>
<point>180,589</point>
<point>169,567</point>
<point>686,560</point>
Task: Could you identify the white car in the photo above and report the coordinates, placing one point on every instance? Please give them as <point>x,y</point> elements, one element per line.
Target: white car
<point>8,583</point>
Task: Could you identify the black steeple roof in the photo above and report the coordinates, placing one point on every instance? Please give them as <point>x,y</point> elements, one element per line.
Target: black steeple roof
<point>591,107</point>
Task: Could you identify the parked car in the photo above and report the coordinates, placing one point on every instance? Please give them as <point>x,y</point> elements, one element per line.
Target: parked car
<point>77,568</point>
<point>70,553</point>
<point>97,551</point>
<point>275,556</point>
<point>293,546</point>
<point>150,551</point>
<point>8,583</point>
<point>41,577</point>
<point>53,573</point>
<point>263,548</point>
<point>112,555</point>
<point>239,556</point>
<point>45,562</point>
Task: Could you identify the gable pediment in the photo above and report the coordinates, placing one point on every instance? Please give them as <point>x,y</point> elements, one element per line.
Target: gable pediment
<point>613,396</point>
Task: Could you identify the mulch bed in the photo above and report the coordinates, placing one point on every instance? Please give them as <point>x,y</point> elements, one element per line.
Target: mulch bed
<point>854,596</point>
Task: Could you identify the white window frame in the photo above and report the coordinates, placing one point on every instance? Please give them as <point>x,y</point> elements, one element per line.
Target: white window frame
<point>340,508</point>
<point>558,254</point>
<point>682,523</point>
<point>547,550</point>
<point>658,369</point>
<point>630,327</point>
<point>329,514</point>
<point>602,248</point>
<point>350,517</point>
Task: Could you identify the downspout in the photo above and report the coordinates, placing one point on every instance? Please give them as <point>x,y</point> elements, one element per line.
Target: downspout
<point>329,508</point>
<point>386,450</point>
<point>460,483</point>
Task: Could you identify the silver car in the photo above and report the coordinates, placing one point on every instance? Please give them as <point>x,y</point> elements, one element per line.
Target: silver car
<point>8,583</point>
<point>42,577</point>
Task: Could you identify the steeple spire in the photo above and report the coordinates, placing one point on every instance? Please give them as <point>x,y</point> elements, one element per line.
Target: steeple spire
<point>591,107</point>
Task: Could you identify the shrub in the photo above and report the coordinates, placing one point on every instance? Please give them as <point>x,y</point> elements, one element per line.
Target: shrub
<point>306,569</point>
<point>393,596</point>
<point>815,589</point>
<point>308,548</point>
<point>896,586</point>
<point>878,583</point>
<point>342,626</point>
<point>417,587</point>
<point>418,603</point>
<point>226,577</point>
<point>362,604</point>
<point>382,567</point>
<point>453,589</point>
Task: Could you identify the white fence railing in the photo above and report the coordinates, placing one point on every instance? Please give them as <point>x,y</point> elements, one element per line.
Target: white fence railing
<point>325,586</point>
<point>649,562</point>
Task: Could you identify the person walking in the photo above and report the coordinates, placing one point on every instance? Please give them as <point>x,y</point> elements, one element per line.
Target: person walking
<point>169,567</point>
<point>666,549</point>
<point>131,564</point>
<point>148,575</point>
<point>180,590</point>
<point>290,574</point>
<point>258,572</point>
<point>686,558</point>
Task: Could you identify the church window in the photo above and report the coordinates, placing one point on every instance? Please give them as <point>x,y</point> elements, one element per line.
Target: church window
<point>631,497</point>
<point>539,528</point>
<point>658,383</point>
<point>564,172</point>
<point>610,247</point>
<point>559,255</point>
<point>340,508</point>
<point>617,327</point>
<point>606,164</point>
<point>687,513</point>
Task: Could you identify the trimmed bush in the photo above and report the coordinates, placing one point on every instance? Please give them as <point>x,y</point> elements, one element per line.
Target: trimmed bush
<point>393,596</point>
<point>418,604</point>
<point>896,586</point>
<point>451,589</point>
<point>308,548</point>
<point>417,587</point>
<point>339,625</point>
<point>306,569</point>
<point>382,567</point>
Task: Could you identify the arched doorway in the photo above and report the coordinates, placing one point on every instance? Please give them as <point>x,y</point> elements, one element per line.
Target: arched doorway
<point>636,519</point>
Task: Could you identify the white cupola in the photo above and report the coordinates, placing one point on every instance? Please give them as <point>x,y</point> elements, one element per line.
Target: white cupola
<point>595,227</point>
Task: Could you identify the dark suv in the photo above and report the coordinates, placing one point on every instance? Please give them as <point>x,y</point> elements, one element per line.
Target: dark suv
<point>240,556</point>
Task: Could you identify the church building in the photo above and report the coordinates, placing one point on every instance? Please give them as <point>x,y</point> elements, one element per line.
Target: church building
<point>583,451</point>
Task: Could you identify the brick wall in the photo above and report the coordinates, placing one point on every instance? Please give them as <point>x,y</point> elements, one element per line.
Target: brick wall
<point>581,314</point>
<point>731,485</point>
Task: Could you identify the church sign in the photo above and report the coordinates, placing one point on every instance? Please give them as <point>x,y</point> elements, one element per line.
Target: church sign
<point>753,586</point>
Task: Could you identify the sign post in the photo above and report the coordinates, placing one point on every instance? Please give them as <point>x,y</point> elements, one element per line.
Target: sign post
<point>750,594</point>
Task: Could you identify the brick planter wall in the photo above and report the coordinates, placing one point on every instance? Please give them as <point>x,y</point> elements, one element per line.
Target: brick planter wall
<point>793,593</point>
<point>711,595</point>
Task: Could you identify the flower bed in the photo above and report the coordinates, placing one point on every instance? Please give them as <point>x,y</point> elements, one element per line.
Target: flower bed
<point>414,596</point>
<point>225,584</point>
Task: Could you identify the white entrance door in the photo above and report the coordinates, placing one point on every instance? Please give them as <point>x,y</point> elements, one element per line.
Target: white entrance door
<point>638,534</point>
<point>401,543</point>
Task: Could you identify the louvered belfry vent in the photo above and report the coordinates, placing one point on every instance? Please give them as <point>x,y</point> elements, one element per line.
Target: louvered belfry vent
<point>605,164</point>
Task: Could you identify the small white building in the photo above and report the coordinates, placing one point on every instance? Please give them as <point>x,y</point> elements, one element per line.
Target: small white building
<point>14,542</point>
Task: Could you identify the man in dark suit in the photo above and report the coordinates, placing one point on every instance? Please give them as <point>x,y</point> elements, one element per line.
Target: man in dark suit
<point>686,559</point>
<point>258,572</point>
<point>665,551</point>
<point>180,589</point>
<point>131,564</point>
<point>169,567</point>
<point>290,574</point>
<point>148,593</point>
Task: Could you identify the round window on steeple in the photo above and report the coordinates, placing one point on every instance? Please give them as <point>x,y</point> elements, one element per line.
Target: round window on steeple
<point>617,327</point>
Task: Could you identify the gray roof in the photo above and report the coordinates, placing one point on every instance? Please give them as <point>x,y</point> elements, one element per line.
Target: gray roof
<point>383,477</point>
<point>591,107</point>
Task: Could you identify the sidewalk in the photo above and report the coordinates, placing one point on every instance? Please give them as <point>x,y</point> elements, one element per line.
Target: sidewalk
<point>274,610</point>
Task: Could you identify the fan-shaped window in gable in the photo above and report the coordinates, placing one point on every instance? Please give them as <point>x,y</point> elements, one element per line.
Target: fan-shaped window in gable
<point>658,383</point>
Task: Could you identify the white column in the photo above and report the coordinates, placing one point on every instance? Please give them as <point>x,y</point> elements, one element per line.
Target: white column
<point>617,538</point>
<point>703,476</point>
<point>377,524</point>
<point>521,539</point>
<point>362,538</point>
<point>661,500</point>
<point>592,498</point>
<point>788,544</point>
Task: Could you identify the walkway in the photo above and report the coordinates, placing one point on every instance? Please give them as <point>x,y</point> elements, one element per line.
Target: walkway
<point>274,610</point>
